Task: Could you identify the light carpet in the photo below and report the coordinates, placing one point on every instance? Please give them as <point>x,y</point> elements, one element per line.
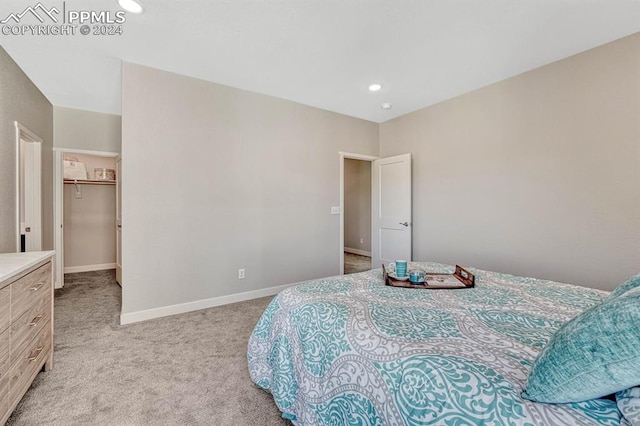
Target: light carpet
<point>354,263</point>
<point>188,369</point>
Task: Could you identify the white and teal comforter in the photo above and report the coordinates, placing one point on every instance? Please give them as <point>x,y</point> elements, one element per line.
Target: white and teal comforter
<point>349,350</point>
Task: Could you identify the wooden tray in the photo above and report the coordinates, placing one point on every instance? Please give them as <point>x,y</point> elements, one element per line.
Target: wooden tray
<point>461,278</point>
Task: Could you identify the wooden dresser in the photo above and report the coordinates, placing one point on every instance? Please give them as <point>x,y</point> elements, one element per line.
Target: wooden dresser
<point>26,324</point>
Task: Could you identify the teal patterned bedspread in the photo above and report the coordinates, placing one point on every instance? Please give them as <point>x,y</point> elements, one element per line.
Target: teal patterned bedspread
<point>349,350</point>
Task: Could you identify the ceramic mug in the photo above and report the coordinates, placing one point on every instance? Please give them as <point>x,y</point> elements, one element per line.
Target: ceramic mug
<point>401,268</point>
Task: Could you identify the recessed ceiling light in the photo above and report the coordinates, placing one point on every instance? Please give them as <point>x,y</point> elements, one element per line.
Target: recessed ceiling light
<point>386,105</point>
<point>133,6</point>
<point>375,87</point>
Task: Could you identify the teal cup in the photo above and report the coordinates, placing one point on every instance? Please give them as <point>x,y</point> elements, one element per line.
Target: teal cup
<point>416,277</point>
<point>401,268</point>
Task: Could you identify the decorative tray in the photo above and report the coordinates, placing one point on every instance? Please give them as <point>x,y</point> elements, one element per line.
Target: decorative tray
<point>461,278</point>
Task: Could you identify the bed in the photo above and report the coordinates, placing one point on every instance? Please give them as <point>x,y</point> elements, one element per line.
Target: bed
<point>350,350</point>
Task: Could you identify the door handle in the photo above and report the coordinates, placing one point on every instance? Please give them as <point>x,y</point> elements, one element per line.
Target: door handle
<point>27,229</point>
<point>404,223</point>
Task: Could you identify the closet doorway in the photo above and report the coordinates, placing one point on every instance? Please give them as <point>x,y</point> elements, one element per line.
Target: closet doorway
<point>86,206</point>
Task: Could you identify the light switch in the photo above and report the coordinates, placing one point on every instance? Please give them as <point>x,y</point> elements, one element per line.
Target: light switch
<point>335,210</point>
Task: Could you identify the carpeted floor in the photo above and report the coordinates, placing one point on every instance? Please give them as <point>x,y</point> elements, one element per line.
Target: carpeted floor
<point>187,369</point>
<point>355,263</point>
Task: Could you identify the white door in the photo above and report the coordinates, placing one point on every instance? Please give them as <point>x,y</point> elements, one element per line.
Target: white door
<point>119,221</point>
<point>391,210</point>
<point>31,225</point>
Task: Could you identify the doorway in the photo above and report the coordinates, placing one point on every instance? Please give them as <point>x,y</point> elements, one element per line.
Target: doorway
<point>391,225</point>
<point>355,255</point>
<point>29,190</point>
<point>357,215</point>
<point>85,235</point>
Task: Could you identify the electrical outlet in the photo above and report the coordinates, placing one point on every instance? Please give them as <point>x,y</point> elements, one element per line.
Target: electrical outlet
<point>335,210</point>
<point>361,240</point>
<point>241,274</point>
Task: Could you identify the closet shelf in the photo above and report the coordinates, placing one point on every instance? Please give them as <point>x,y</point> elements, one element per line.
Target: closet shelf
<point>89,182</point>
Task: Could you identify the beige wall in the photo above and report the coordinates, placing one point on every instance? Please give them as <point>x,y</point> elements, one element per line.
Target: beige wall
<point>217,179</point>
<point>89,222</point>
<point>93,131</point>
<point>538,175</point>
<point>357,205</point>
<point>20,100</point>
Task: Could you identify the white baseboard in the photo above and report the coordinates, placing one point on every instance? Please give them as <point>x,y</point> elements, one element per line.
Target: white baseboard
<point>88,268</point>
<point>181,308</point>
<point>356,251</point>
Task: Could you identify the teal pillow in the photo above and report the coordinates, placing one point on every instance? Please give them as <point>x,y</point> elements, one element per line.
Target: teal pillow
<point>629,284</point>
<point>593,355</point>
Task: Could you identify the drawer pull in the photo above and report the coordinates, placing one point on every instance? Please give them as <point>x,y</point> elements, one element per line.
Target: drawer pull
<point>35,320</point>
<point>34,357</point>
<point>40,284</point>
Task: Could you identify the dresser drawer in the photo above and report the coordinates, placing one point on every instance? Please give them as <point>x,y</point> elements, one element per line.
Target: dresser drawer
<point>5,308</point>
<point>25,367</point>
<point>28,288</point>
<point>29,325</point>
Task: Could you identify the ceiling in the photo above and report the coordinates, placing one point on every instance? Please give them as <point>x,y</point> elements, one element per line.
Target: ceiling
<point>323,53</point>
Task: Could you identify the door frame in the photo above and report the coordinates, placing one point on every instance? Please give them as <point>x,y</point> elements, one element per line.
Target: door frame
<point>342,157</point>
<point>119,220</point>
<point>58,204</point>
<point>23,133</point>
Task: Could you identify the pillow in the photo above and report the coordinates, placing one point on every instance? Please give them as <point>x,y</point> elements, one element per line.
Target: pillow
<point>629,405</point>
<point>593,355</point>
<point>629,284</point>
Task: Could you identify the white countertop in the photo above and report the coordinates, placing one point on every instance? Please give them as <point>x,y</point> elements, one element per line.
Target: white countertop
<point>14,263</point>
